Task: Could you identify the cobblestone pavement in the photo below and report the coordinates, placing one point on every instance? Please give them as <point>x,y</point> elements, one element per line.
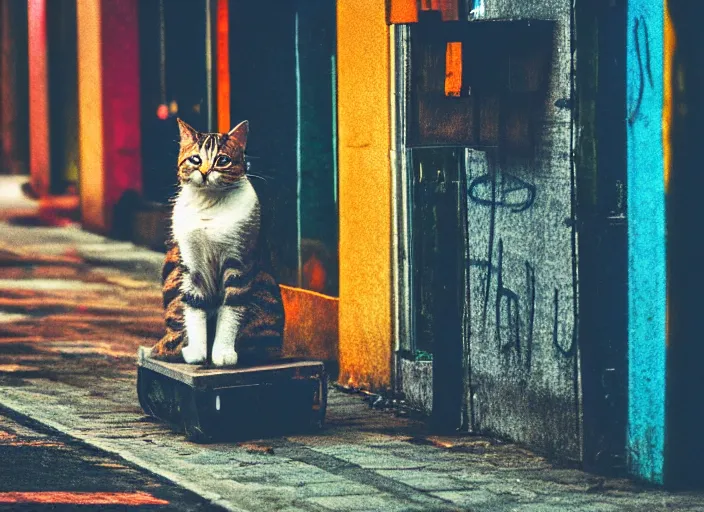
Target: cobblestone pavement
<point>74,307</point>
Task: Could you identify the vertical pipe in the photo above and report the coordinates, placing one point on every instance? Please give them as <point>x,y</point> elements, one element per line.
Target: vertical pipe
<point>333,71</point>
<point>299,177</point>
<point>162,54</point>
<point>209,66</point>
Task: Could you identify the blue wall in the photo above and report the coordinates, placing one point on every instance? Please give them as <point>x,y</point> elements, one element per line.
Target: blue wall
<point>647,297</point>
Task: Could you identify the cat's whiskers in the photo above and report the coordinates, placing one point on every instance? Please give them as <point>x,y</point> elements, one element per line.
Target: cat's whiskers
<point>265,180</point>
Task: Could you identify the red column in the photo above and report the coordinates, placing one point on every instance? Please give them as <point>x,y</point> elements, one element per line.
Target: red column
<point>223,66</point>
<point>39,161</point>
<point>109,107</point>
<point>11,117</point>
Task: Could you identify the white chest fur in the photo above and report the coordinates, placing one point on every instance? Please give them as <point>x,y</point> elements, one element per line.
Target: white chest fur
<point>208,231</point>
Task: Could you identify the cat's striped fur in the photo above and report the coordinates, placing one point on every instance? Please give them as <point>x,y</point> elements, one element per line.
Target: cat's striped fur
<point>214,266</point>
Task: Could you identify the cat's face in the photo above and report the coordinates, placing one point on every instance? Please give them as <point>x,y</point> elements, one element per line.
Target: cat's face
<point>212,160</point>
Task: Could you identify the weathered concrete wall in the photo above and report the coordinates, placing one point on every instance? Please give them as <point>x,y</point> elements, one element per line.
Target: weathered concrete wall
<point>524,352</point>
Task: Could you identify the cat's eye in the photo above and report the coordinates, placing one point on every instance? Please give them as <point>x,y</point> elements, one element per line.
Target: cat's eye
<point>223,160</point>
<point>195,159</point>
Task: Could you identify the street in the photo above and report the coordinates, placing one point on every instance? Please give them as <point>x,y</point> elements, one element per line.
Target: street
<point>47,471</point>
<point>75,306</point>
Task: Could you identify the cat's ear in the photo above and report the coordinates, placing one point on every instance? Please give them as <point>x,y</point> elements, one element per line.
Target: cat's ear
<point>188,133</point>
<point>239,133</point>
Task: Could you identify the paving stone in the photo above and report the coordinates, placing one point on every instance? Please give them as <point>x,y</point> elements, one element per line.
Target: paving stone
<point>369,457</point>
<point>339,488</point>
<point>234,456</point>
<point>289,474</point>
<point>378,503</point>
<point>472,499</point>
<point>426,481</point>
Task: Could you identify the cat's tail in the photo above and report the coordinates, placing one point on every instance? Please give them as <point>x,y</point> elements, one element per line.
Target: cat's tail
<point>171,276</point>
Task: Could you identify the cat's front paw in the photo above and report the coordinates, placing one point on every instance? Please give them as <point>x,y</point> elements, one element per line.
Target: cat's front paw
<point>194,354</point>
<point>225,356</point>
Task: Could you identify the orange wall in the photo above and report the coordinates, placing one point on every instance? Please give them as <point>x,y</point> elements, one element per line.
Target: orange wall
<point>311,324</point>
<point>364,129</point>
<point>90,113</point>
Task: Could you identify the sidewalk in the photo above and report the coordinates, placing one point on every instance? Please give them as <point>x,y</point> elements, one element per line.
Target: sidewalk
<point>74,307</point>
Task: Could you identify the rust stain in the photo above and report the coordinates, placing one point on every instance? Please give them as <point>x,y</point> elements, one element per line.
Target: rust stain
<point>82,498</point>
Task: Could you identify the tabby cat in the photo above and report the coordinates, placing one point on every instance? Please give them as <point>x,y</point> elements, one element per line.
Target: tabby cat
<point>214,271</point>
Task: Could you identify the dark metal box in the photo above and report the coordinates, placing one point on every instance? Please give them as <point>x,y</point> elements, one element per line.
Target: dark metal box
<point>211,404</point>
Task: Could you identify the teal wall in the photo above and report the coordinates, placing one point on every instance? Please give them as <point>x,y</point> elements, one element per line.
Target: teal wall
<point>646,241</point>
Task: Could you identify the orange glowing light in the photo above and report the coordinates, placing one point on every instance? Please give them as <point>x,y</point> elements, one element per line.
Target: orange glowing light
<point>453,69</point>
<point>314,274</point>
<point>223,70</point>
<point>82,498</point>
<point>162,112</point>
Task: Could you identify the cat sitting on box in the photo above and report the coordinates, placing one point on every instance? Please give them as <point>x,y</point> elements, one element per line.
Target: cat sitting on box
<point>214,265</point>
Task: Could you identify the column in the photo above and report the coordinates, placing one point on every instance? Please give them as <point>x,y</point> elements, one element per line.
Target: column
<point>364,131</point>
<point>39,156</point>
<point>647,175</point>
<point>109,108</point>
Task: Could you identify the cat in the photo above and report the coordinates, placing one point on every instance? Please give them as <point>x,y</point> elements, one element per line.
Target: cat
<point>215,267</point>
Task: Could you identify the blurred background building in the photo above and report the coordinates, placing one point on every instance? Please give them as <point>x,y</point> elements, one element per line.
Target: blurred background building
<point>482,206</point>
